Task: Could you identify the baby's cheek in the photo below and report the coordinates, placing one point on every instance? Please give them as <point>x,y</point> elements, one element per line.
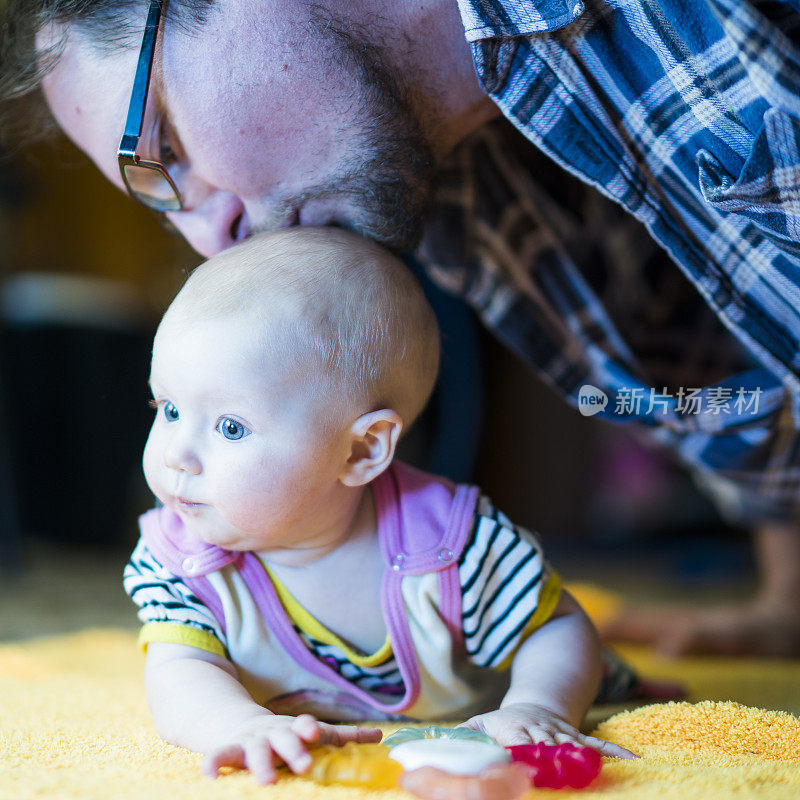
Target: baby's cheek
<point>241,497</point>
<point>248,511</point>
<point>149,462</point>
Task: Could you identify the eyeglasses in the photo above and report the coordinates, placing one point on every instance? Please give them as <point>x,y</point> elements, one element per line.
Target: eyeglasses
<point>146,181</point>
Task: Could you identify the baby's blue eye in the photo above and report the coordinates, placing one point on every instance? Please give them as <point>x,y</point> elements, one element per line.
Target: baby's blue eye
<point>231,429</point>
<point>170,412</point>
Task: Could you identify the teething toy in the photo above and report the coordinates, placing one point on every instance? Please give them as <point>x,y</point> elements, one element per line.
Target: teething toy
<point>365,765</point>
<point>460,757</point>
<point>435,732</point>
<point>556,766</point>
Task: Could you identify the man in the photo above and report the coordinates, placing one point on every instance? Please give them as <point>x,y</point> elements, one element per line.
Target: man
<point>263,113</point>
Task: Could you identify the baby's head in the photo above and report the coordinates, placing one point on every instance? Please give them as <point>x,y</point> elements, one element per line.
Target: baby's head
<point>332,310</point>
<point>285,365</point>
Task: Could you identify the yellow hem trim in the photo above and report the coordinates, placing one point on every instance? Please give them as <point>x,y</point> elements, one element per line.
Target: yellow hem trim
<point>549,595</point>
<point>178,633</point>
<point>313,627</point>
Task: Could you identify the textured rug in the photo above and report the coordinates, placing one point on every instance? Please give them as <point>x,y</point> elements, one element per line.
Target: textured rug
<point>73,724</point>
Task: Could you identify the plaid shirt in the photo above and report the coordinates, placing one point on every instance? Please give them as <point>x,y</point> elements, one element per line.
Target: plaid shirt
<point>686,115</point>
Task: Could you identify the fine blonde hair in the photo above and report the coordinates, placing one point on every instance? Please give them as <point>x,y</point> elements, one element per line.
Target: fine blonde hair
<point>337,309</point>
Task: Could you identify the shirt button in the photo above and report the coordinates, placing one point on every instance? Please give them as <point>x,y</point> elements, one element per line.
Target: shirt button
<point>445,555</point>
<point>188,565</point>
<point>398,561</point>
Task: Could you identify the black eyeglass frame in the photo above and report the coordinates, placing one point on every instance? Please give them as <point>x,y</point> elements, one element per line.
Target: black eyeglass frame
<point>126,152</point>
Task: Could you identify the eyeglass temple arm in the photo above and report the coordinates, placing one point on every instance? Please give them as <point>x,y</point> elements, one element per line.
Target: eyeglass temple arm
<point>141,81</point>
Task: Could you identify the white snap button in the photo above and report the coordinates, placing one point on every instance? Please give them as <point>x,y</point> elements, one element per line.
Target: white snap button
<point>188,565</point>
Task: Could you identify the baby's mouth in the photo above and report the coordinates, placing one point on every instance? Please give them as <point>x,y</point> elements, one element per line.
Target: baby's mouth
<point>186,504</point>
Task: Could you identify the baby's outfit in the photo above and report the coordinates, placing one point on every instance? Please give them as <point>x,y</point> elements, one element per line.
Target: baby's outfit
<point>462,588</point>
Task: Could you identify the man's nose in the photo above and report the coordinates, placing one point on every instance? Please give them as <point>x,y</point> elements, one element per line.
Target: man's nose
<point>214,224</point>
<point>180,454</point>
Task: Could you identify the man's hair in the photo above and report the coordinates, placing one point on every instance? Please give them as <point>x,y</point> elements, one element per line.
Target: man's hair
<point>110,24</point>
<point>334,309</point>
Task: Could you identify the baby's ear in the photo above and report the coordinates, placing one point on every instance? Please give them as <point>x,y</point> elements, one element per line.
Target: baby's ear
<point>373,438</point>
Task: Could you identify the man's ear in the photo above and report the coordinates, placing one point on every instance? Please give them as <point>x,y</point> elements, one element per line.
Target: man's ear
<point>373,438</point>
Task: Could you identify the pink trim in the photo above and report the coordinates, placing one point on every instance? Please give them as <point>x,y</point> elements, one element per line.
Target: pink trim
<point>256,578</point>
<point>384,493</point>
<point>435,516</point>
<point>168,540</point>
<point>205,592</point>
<point>458,529</point>
<point>400,636</point>
<point>450,605</point>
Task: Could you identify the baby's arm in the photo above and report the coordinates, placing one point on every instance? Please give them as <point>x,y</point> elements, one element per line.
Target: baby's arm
<point>554,678</point>
<point>198,703</point>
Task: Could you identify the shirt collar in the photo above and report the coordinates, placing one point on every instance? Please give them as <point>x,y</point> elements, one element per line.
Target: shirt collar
<point>485,19</point>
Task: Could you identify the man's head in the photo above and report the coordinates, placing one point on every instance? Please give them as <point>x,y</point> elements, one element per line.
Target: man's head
<point>268,113</point>
<point>271,112</point>
<point>283,374</point>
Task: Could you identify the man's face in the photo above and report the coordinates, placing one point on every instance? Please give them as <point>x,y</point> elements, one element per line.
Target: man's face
<point>264,118</point>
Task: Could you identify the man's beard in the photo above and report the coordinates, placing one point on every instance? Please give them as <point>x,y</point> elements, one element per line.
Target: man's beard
<point>387,180</point>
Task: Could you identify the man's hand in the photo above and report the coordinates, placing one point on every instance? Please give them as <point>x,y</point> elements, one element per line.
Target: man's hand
<point>269,737</point>
<point>528,723</point>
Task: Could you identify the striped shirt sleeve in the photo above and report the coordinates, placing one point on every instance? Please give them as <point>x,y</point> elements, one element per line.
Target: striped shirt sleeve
<point>169,611</point>
<point>508,589</point>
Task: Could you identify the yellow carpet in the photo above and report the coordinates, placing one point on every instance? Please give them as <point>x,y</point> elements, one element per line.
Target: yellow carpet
<point>73,724</point>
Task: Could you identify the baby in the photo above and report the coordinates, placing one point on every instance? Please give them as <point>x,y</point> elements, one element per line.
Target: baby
<point>296,572</point>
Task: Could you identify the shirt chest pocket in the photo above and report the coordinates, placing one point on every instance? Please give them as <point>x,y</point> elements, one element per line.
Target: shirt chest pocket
<point>767,190</point>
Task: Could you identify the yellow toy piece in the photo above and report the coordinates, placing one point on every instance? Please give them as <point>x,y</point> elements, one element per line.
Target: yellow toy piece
<point>365,765</point>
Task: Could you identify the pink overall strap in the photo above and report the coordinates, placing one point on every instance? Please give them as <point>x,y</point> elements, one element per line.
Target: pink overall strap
<point>433,520</point>
<point>460,524</point>
<point>171,544</point>
<point>257,580</point>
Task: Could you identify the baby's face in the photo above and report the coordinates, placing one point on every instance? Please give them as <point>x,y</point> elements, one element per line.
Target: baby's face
<point>237,449</point>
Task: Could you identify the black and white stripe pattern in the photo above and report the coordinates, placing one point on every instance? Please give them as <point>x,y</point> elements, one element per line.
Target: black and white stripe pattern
<point>501,571</point>
<point>383,678</point>
<point>163,597</point>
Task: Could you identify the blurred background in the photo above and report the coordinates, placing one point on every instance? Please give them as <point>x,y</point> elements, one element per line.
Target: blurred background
<point>84,277</point>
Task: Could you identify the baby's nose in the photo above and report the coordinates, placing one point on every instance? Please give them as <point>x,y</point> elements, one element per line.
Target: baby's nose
<point>179,455</point>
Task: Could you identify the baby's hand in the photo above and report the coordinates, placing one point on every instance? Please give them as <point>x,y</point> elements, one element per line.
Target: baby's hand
<point>269,736</point>
<point>528,723</point>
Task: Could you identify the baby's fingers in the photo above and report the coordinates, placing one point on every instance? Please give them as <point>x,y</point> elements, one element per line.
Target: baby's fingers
<point>307,728</point>
<point>254,754</point>
<point>526,735</point>
<point>258,754</point>
<point>286,743</point>
<point>603,747</point>
<point>340,734</point>
<point>229,756</point>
